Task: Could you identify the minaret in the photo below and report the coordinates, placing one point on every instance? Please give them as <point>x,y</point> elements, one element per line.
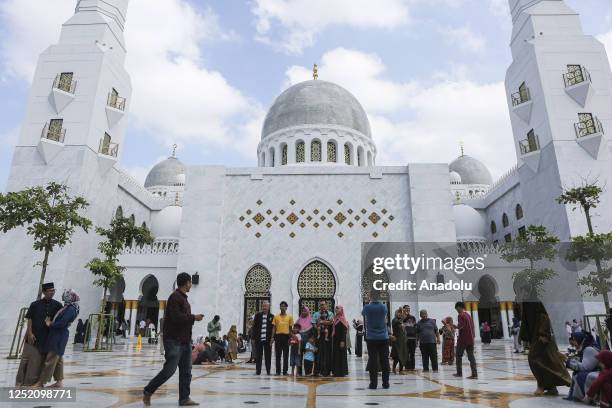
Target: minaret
<point>73,133</point>
<point>559,91</point>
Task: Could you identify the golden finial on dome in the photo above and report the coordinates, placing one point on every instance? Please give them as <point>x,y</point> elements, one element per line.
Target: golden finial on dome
<point>461,147</point>
<point>315,71</point>
<point>174,146</point>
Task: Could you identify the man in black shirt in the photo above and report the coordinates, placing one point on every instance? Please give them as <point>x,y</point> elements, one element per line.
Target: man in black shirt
<point>177,343</point>
<point>262,335</point>
<point>411,336</point>
<point>36,335</point>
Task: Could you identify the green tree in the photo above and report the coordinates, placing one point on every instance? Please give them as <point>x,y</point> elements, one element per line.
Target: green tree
<point>121,233</point>
<point>49,214</point>
<point>591,247</point>
<point>534,245</point>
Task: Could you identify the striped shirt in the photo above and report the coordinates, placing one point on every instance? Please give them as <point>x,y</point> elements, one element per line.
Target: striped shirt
<point>264,327</point>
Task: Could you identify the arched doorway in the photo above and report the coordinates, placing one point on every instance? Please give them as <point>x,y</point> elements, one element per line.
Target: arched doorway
<point>367,282</point>
<point>257,285</point>
<point>148,305</point>
<point>315,284</point>
<point>488,306</point>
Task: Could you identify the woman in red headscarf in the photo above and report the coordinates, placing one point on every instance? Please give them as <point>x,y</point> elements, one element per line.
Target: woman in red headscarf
<point>339,356</point>
<point>602,386</point>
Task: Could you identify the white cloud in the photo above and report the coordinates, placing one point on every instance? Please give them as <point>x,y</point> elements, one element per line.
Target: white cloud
<point>293,25</point>
<point>176,97</point>
<point>606,39</point>
<point>464,38</point>
<point>499,8</point>
<point>423,121</point>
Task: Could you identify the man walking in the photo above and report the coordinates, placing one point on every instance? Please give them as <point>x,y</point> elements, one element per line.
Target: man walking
<point>410,329</point>
<point>465,340</point>
<point>377,339</point>
<point>429,338</point>
<point>177,343</point>
<point>36,335</point>
<point>262,334</point>
<point>281,331</point>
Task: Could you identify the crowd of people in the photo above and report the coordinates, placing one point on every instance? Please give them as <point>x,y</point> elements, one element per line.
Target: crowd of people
<point>318,344</point>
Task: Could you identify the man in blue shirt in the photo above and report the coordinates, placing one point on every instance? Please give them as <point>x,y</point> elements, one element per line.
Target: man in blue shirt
<point>377,339</point>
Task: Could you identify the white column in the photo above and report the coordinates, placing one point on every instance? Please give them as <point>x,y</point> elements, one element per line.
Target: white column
<point>474,309</point>
<point>504,317</point>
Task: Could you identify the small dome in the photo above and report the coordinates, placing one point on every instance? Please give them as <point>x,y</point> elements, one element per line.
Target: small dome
<point>169,172</point>
<point>455,178</point>
<point>471,171</point>
<point>316,102</point>
<point>469,224</point>
<point>167,222</point>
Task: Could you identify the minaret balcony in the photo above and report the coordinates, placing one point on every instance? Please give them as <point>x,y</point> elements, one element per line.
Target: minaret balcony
<point>55,134</point>
<point>115,109</point>
<point>108,149</point>
<point>522,104</point>
<point>589,126</point>
<point>64,82</point>
<point>578,85</point>
<point>529,145</point>
<point>62,91</point>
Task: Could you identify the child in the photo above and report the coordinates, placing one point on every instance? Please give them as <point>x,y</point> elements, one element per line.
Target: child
<point>309,355</point>
<point>295,342</point>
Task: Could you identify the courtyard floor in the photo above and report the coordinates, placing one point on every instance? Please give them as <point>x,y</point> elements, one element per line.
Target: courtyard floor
<point>116,380</point>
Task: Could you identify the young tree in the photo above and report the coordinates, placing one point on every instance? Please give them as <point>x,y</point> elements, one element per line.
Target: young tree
<point>121,233</point>
<point>50,215</point>
<point>591,247</point>
<point>534,245</point>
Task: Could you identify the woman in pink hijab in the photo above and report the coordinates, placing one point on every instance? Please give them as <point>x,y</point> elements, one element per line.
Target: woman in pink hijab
<point>339,357</point>
<point>306,328</point>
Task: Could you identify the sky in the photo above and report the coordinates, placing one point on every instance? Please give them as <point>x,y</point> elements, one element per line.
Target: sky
<point>429,73</point>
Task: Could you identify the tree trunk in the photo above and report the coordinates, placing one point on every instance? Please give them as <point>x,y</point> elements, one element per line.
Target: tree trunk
<point>101,321</point>
<point>597,261</point>
<point>43,272</point>
<point>607,304</point>
<point>587,214</point>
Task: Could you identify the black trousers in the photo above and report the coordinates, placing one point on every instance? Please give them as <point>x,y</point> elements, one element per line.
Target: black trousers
<point>410,362</point>
<point>281,347</point>
<point>378,351</point>
<point>429,351</point>
<point>471,358</point>
<point>263,349</point>
<point>308,367</point>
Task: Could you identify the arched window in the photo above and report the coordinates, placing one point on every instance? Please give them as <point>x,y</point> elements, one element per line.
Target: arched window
<point>316,283</point>
<point>493,227</point>
<point>331,152</point>
<point>519,212</point>
<point>257,285</point>
<point>505,221</point>
<point>315,151</point>
<point>347,153</point>
<point>119,212</point>
<point>271,158</point>
<point>284,155</point>
<point>300,152</point>
<point>360,156</point>
<point>132,219</point>
<point>370,163</point>
<point>263,159</point>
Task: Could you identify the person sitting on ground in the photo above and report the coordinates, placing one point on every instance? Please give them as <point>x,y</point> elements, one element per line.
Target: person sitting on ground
<point>584,365</point>
<point>602,385</point>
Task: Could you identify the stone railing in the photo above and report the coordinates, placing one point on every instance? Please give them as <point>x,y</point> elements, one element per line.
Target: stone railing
<point>159,247</point>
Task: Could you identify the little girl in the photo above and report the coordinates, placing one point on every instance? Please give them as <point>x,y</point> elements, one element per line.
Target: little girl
<point>295,342</point>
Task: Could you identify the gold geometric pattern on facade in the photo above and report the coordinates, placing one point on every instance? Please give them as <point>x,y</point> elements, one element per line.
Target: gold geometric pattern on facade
<point>292,218</point>
<point>316,281</point>
<point>258,218</point>
<point>374,217</point>
<point>340,218</point>
<point>332,218</point>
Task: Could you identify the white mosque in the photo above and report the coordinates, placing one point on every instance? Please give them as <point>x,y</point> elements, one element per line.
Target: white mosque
<point>292,227</point>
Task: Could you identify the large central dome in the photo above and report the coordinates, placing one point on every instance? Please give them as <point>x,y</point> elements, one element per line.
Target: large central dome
<point>316,102</point>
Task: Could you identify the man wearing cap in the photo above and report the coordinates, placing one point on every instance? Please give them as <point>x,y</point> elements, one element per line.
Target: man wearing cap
<point>36,335</point>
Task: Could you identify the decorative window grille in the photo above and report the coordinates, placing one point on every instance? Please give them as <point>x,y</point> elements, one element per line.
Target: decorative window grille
<point>347,154</point>
<point>505,221</point>
<point>508,238</point>
<point>55,130</point>
<point>331,152</point>
<point>316,283</point>
<point>576,74</point>
<point>257,290</point>
<point>493,227</point>
<point>587,125</point>
<point>272,157</point>
<point>359,157</point>
<point>284,155</point>
<point>300,152</point>
<point>315,151</point>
